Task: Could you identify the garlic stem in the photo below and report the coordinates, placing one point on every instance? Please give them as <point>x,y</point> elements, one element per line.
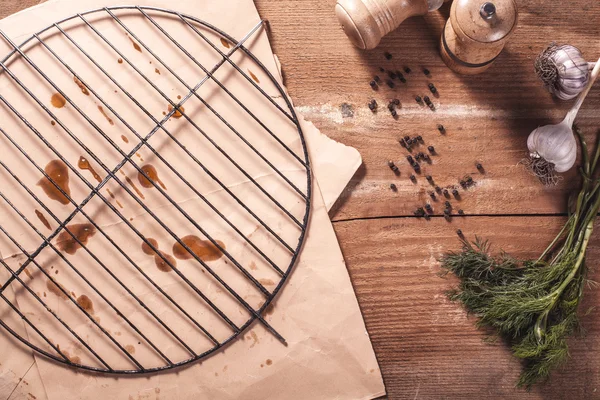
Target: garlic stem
<point>570,118</point>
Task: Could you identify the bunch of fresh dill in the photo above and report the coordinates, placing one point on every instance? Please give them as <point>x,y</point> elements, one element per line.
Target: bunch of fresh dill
<point>533,304</point>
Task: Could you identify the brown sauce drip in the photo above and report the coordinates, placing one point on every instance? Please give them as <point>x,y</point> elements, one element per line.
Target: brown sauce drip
<point>203,249</point>
<point>28,273</point>
<point>119,203</point>
<point>225,43</point>
<point>85,165</point>
<point>83,232</point>
<point>178,97</point>
<point>124,138</point>
<point>58,100</point>
<point>130,349</point>
<point>266,282</point>
<point>52,123</point>
<point>140,194</point>
<point>135,45</point>
<point>109,119</point>
<point>157,70</point>
<point>81,86</point>
<point>269,362</point>
<point>152,174</point>
<point>110,193</point>
<point>86,303</point>
<point>147,249</point>
<point>178,113</point>
<point>162,265</point>
<point>43,219</point>
<point>254,77</point>
<point>120,61</point>
<point>59,173</point>
<point>54,288</point>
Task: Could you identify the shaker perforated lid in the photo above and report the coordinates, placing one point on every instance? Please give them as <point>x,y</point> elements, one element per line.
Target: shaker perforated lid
<point>485,21</point>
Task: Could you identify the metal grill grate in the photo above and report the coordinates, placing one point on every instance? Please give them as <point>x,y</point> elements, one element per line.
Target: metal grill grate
<point>237,169</point>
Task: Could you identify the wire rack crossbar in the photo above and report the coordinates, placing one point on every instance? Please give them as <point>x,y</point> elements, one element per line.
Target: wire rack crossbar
<point>127,159</point>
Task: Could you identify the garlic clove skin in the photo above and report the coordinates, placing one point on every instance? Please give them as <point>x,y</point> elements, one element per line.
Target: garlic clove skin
<point>556,144</point>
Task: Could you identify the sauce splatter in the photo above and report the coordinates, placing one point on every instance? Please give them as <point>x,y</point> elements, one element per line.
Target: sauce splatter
<point>269,362</point>
<point>81,86</point>
<point>109,119</point>
<point>135,45</point>
<point>178,113</point>
<point>253,266</point>
<point>162,264</point>
<point>178,97</point>
<point>52,123</point>
<point>110,193</point>
<point>203,249</point>
<point>157,70</point>
<point>254,77</point>
<point>120,61</point>
<point>130,349</point>
<point>147,249</point>
<point>86,303</point>
<point>84,164</point>
<point>130,182</point>
<point>152,176</point>
<point>55,288</point>
<point>266,282</point>
<point>58,100</point>
<point>225,43</point>
<point>124,138</point>
<point>28,273</point>
<point>59,173</point>
<point>43,219</point>
<point>83,232</point>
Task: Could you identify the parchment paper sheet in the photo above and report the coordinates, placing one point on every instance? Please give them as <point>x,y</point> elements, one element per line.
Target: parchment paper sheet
<point>329,353</point>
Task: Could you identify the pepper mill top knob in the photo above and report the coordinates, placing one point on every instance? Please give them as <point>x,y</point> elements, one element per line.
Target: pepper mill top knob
<point>365,22</point>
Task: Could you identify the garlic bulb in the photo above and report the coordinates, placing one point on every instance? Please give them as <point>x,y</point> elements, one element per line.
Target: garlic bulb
<point>434,4</point>
<point>563,70</point>
<point>553,148</point>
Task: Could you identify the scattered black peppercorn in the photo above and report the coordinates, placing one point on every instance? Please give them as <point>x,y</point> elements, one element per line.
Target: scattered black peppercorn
<point>428,208</point>
<point>426,71</point>
<point>402,142</point>
<point>381,69</point>
<point>396,102</point>
<point>391,164</point>
<point>446,193</point>
<point>394,113</point>
<point>387,55</point>
<point>416,167</point>
<point>447,211</point>
<point>431,149</point>
<point>429,178</point>
<point>410,159</point>
<point>392,75</point>
<point>463,184</point>
<point>377,78</point>
<point>441,128</point>
<point>390,106</point>
<point>479,167</point>
<point>455,193</point>
<point>461,212</point>
<point>373,105</point>
<point>438,189</point>
<point>390,84</point>
<point>419,138</point>
<point>469,179</point>
<point>427,158</point>
<point>413,178</point>
<point>418,99</point>
<point>373,84</point>
<point>407,70</point>
<point>401,77</point>
<point>427,217</point>
<point>459,233</point>
<point>427,100</point>
<point>432,195</point>
<point>421,211</point>
<point>393,187</point>
<point>421,155</point>
<point>448,205</point>
<point>407,138</point>
<point>447,218</point>
<point>432,88</point>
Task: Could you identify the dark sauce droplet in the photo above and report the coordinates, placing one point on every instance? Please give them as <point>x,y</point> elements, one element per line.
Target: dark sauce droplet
<point>86,303</point>
<point>83,232</point>
<point>59,173</point>
<point>130,182</point>
<point>225,43</point>
<point>178,113</point>
<point>203,249</point>
<point>162,265</point>
<point>147,249</point>
<point>52,123</point>
<point>43,219</point>
<point>58,100</point>
<point>124,138</point>
<point>81,86</point>
<point>109,119</point>
<point>152,176</point>
<point>120,61</point>
<point>85,165</point>
<point>254,77</point>
<point>135,45</point>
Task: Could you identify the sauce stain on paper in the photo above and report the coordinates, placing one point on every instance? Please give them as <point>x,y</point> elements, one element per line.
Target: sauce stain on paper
<point>43,219</point>
<point>109,119</point>
<point>254,77</point>
<point>68,244</point>
<point>54,288</point>
<point>203,249</point>
<point>135,45</point>
<point>178,113</point>
<point>225,43</point>
<point>81,86</point>
<point>58,100</point>
<point>124,138</point>
<point>58,172</point>
<point>84,164</point>
<point>130,182</point>
<point>152,176</point>
<point>86,303</point>
<point>147,249</point>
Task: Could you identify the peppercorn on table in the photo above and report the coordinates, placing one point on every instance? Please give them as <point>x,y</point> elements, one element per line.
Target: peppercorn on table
<point>474,132</point>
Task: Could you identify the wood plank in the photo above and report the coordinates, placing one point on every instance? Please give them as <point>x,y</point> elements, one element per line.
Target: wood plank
<point>427,346</point>
<point>488,117</point>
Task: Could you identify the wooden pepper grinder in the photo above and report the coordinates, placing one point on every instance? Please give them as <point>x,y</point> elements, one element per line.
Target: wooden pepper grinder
<point>367,21</point>
<point>476,33</point>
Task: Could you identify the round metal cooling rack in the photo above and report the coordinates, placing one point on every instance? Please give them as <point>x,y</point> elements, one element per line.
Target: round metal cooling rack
<point>37,336</point>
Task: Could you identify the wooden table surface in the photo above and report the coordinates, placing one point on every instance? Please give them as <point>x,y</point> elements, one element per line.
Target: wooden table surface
<point>427,347</point>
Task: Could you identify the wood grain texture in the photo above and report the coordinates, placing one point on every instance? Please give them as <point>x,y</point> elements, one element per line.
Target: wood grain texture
<point>427,347</point>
